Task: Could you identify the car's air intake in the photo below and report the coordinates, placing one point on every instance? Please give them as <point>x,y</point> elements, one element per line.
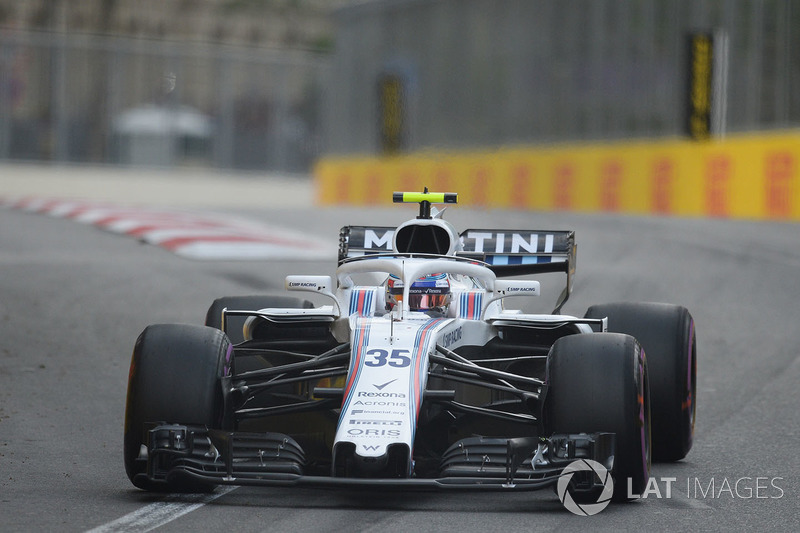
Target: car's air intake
<point>422,239</point>
<point>425,236</point>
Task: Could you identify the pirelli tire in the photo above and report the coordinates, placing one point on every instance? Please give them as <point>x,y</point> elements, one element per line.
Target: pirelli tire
<point>667,334</point>
<point>247,303</point>
<point>179,374</point>
<point>598,383</point>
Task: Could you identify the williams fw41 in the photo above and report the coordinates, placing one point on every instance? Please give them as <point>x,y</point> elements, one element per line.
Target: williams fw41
<point>415,374</point>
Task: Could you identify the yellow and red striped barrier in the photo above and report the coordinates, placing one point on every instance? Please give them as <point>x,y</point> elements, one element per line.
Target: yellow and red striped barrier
<point>748,176</point>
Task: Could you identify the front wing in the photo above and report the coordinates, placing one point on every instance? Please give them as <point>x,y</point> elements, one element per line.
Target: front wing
<point>176,452</point>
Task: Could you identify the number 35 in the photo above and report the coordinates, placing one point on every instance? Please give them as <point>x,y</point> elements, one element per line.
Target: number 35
<point>397,358</point>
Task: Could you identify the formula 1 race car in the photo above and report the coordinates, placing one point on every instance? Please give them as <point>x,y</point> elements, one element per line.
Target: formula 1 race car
<point>416,375</point>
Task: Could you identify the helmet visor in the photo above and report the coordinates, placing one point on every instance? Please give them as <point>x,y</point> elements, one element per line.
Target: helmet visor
<point>424,302</point>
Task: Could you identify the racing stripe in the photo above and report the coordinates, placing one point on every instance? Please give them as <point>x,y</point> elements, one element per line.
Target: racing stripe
<point>361,301</point>
<point>477,305</point>
<point>355,296</point>
<point>420,347</point>
<point>470,305</point>
<point>361,337</point>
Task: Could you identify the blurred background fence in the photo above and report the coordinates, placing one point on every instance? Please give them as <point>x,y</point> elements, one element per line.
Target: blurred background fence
<point>404,75</point>
<point>478,73</point>
<point>80,98</point>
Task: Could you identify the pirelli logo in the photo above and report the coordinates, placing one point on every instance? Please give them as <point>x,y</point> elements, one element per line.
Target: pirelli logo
<point>376,422</point>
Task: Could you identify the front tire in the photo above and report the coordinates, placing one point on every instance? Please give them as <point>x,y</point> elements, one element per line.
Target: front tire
<point>667,334</point>
<point>179,374</point>
<point>598,383</point>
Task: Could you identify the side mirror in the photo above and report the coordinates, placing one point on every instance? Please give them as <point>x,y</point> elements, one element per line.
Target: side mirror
<point>317,284</point>
<point>506,288</point>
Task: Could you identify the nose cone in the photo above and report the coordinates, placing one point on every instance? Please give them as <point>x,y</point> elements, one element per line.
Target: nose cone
<point>392,461</point>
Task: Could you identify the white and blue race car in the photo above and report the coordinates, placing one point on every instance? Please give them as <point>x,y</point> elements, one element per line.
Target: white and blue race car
<point>416,374</point>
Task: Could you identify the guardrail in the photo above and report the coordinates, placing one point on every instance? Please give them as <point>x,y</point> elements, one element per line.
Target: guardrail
<point>754,176</point>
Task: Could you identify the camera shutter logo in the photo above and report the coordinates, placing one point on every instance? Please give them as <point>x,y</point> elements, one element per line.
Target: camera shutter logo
<point>585,508</point>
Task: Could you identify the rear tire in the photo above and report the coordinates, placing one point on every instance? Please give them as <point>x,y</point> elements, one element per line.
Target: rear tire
<point>666,332</point>
<point>598,383</point>
<point>247,303</point>
<point>179,374</point>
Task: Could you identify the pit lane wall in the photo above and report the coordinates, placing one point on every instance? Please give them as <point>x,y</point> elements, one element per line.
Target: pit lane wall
<point>753,176</point>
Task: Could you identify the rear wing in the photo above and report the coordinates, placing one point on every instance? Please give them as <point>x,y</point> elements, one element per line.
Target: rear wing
<point>507,252</point>
<point>357,241</point>
<point>520,252</point>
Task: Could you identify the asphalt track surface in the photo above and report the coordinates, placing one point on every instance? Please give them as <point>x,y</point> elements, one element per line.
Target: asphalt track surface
<point>73,300</point>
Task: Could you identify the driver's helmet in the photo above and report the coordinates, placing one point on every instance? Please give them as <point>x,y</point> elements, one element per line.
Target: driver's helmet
<point>428,293</point>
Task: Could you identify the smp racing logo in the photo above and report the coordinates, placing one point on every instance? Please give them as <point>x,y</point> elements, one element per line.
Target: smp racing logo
<point>593,469</point>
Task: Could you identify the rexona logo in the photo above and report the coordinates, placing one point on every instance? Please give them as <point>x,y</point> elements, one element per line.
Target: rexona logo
<point>367,394</point>
<point>585,508</point>
<point>381,386</point>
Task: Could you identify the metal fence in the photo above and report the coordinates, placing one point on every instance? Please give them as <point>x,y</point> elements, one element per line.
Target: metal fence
<point>73,98</point>
<point>406,75</point>
<point>488,73</point>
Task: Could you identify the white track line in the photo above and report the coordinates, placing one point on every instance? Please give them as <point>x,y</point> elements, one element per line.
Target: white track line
<point>195,235</point>
<point>157,514</point>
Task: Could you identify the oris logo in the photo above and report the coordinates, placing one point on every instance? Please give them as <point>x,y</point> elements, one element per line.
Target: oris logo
<point>355,432</point>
